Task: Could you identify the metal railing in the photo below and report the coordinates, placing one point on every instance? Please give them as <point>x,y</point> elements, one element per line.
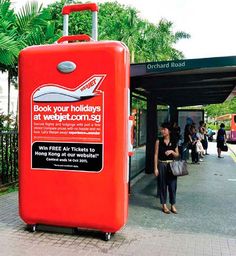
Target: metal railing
<point>8,157</point>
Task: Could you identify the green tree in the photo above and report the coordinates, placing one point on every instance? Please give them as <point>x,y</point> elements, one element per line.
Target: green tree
<point>156,43</point>
<point>80,23</point>
<point>9,47</point>
<point>121,23</point>
<point>227,107</point>
<point>146,41</point>
<point>32,25</point>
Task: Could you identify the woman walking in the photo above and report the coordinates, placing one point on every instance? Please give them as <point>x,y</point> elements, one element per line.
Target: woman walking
<point>166,150</point>
<point>220,139</point>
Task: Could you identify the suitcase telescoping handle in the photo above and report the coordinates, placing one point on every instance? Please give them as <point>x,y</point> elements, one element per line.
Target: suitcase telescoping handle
<point>78,8</point>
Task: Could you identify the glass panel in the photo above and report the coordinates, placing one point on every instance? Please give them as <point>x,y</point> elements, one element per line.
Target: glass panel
<point>142,126</point>
<point>138,161</point>
<point>162,116</point>
<point>139,112</point>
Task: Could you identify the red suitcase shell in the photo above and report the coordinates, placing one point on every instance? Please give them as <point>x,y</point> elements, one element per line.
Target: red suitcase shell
<point>73,141</point>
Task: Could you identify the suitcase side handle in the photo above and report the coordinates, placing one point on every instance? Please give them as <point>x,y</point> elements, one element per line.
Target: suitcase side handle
<point>77,8</point>
<point>74,38</point>
<point>130,136</point>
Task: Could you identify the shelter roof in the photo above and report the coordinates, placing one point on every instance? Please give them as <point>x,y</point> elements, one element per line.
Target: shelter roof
<point>187,82</point>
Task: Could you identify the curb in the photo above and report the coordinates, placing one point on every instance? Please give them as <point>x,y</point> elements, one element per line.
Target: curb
<point>231,149</point>
<point>137,178</point>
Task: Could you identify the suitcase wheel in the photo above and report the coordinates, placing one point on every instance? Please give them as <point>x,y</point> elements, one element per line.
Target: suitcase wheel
<point>107,236</point>
<point>31,228</point>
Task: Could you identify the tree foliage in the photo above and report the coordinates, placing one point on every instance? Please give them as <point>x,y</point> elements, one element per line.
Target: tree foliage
<point>227,107</point>
<point>146,41</point>
<point>34,25</point>
<point>31,25</point>
<point>9,47</point>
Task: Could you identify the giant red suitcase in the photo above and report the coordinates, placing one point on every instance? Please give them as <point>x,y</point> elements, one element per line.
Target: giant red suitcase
<point>73,125</point>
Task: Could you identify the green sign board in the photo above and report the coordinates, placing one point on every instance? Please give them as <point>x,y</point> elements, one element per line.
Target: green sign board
<point>180,65</point>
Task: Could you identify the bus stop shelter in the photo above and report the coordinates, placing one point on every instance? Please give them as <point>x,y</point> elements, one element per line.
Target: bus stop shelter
<point>180,83</point>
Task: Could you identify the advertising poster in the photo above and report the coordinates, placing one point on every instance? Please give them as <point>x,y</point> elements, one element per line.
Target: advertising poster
<point>67,126</point>
<point>189,116</point>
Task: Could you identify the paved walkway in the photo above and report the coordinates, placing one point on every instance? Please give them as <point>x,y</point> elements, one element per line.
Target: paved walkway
<point>205,225</point>
<point>232,148</point>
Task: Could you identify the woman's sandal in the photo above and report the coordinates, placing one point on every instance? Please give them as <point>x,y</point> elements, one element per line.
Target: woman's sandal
<point>166,211</point>
<point>173,210</point>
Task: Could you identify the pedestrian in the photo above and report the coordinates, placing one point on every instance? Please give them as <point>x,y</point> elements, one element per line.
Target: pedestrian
<point>200,150</point>
<point>166,150</point>
<point>220,139</point>
<point>203,132</point>
<point>193,139</point>
<point>176,135</point>
<point>187,143</point>
<point>199,146</point>
<point>176,132</point>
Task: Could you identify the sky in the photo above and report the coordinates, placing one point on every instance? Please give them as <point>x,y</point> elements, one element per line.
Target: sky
<point>211,23</point>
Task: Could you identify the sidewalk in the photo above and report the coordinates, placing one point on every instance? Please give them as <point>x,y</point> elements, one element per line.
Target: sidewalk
<point>205,225</point>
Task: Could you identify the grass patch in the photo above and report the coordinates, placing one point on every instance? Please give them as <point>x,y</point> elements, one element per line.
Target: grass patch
<point>8,189</point>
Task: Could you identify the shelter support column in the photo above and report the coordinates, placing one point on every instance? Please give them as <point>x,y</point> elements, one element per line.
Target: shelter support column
<point>173,111</point>
<point>151,133</point>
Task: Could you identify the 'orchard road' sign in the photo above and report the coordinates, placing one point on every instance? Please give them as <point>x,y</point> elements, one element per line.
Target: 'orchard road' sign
<point>180,65</point>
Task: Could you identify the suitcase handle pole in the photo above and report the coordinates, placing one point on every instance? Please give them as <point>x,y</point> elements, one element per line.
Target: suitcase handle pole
<point>78,8</point>
<point>95,26</point>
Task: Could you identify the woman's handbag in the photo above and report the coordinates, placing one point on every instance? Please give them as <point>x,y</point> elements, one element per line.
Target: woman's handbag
<point>224,148</point>
<point>179,168</point>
